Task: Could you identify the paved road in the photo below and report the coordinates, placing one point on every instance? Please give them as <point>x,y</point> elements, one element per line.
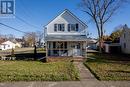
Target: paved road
<point>87,80</point>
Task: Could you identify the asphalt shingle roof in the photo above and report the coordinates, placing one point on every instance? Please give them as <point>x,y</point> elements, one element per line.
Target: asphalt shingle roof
<point>66,38</point>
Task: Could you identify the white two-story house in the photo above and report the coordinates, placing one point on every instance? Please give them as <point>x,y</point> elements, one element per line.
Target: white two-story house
<point>65,36</point>
<point>125,40</point>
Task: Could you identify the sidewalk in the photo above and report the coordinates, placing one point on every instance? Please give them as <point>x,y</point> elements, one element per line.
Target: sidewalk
<point>68,84</point>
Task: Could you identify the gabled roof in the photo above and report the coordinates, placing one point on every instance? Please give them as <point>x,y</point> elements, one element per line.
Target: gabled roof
<point>75,17</point>
<point>124,29</point>
<point>8,42</point>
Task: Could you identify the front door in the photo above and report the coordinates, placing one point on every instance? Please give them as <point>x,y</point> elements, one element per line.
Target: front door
<point>76,49</point>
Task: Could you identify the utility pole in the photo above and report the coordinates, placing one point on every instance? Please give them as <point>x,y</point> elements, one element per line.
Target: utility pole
<point>35,52</point>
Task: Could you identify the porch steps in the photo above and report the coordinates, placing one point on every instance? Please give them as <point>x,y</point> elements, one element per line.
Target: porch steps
<point>79,59</point>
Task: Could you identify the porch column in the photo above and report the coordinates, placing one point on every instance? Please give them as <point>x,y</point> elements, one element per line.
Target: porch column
<point>46,49</point>
<point>81,48</point>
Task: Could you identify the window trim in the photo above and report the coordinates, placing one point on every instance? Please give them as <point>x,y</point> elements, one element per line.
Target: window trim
<point>73,27</point>
<point>59,27</point>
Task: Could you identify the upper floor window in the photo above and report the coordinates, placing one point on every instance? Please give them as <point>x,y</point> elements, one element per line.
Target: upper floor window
<point>73,27</point>
<point>59,27</point>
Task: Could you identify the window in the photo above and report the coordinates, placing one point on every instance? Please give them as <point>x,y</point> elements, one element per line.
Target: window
<point>59,27</point>
<point>77,27</point>
<point>65,45</point>
<point>59,45</point>
<point>54,44</point>
<point>78,46</point>
<point>73,27</point>
<point>69,25</point>
<point>55,27</point>
<point>49,45</point>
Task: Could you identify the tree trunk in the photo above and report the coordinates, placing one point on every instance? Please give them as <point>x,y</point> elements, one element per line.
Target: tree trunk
<point>101,39</point>
<point>100,45</point>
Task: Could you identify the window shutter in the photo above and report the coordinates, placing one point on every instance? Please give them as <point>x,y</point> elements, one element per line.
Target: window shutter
<point>68,27</point>
<point>77,27</point>
<point>63,27</point>
<point>55,27</point>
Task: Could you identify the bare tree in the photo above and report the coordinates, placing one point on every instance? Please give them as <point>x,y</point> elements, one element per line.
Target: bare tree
<point>100,11</point>
<point>10,37</point>
<point>30,39</point>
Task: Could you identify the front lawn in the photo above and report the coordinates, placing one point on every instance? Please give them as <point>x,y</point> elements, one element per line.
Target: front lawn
<point>109,67</point>
<point>37,71</point>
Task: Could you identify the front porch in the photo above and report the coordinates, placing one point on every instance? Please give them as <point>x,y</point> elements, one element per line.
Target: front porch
<point>66,48</point>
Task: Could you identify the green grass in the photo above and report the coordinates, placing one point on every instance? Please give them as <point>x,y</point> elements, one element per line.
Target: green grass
<point>37,71</point>
<point>109,67</point>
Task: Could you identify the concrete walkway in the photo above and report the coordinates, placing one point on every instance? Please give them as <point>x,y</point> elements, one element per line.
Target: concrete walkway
<point>87,80</point>
<point>85,74</point>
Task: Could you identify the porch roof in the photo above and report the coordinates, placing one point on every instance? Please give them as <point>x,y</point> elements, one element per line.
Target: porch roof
<point>66,38</point>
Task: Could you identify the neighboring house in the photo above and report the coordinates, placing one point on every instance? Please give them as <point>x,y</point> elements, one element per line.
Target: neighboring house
<point>18,42</point>
<point>18,45</point>
<point>91,44</point>
<point>7,45</point>
<point>125,40</point>
<point>112,48</point>
<point>65,36</point>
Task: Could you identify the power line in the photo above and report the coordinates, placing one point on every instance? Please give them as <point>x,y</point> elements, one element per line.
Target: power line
<point>13,28</point>
<point>26,22</point>
<point>24,9</point>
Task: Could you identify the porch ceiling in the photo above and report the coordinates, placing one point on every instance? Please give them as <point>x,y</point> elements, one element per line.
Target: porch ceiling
<point>66,38</point>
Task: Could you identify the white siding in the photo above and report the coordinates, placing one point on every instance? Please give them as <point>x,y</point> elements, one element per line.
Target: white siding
<point>125,40</point>
<point>66,18</point>
<point>7,45</point>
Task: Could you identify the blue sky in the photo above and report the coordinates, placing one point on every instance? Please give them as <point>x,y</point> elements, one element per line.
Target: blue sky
<point>40,12</point>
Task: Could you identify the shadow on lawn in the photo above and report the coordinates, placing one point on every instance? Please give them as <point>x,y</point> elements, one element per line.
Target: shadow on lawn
<point>120,71</point>
<point>111,57</point>
<point>29,56</point>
